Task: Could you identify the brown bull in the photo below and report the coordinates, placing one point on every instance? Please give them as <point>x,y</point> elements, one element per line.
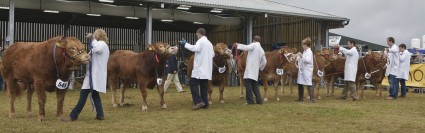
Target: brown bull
<point>277,59</point>
<point>220,79</point>
<point>126,67</point>
<point>291,74</point>
<point>319,63</point>
<point>34,64</point>
<point>374,64</point>
<point>334,70</point>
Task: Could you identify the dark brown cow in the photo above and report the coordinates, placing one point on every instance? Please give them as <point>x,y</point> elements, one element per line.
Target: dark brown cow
<point>126,67</point>
<point>220,79</point>
<point>374,64</point>
<point>277,59</point>
<point>33,64</point>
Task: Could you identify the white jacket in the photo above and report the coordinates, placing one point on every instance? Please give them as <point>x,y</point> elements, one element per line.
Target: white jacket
<point>352,59</point>
<point>404,65</point>
<point>255,61</point>
<point>305,76</point>
<point>394,61</point>
<point>203,63</point>
<point>99,61</point>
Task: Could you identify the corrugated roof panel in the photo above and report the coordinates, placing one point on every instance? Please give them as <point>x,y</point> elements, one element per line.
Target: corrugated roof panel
<point>265,6</point>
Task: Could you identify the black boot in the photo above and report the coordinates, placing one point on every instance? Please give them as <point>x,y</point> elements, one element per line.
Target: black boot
<point>311,93</point>
<point>300,93</point>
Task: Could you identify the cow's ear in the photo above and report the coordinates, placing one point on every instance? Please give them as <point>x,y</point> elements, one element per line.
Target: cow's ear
<point>369,52</point>
<point>62,42</point>
<point>151,47</point>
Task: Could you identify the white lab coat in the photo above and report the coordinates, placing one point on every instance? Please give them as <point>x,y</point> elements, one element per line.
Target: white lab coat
<point>203,63</point>
<point>99,61</point>
<point>305,76</point>
<point>394,61</point>
<point>352,58</point>
<point>255,61</point>
<point>404,65</point>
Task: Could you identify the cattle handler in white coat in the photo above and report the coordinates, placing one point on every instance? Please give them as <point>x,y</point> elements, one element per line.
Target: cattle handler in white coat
<point>404,68</point>
<point>202,68</point>
<point>305,73</point>
<point>255,62</point>
<point>392,70</point>
<point>350,70</point>
<point>99,61</point>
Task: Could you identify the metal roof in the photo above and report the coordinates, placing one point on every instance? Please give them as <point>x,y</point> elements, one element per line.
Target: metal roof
<point>262,6</point>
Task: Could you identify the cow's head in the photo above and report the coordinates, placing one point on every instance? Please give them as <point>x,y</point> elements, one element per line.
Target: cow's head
<point>287,54</point>
<point>223,50</point>
<point>163,49</point>
<point>375,57</point>
<point>75,50</point>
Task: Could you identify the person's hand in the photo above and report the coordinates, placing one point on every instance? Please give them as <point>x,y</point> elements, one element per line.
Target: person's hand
<point>235,45</point>
<point>334,56</point>
<point>300,55</point>
<point>88,35</point>
<point>337,46</point>
<point>183,42</point>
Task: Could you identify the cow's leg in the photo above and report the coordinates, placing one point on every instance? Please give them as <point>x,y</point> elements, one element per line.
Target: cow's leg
<point>379,87</point>
<point>13,91</point>
<point>332,84</point>
<point>276,89</point>
<point>210,91</point>
<point>41,95</point>
<point>327,83</point>
<point>282,83</point>
<point>122,92</point>
<point>142,87</point>
<point>266,86</point>
<point>113,84</point>
<point>161,96</point>
<point>30,91</point>
<point>361,87</point>
<point>221,89</point>
<point>291,83</point>
<point>241,87</point>
<point>318,90</point>
<point>60,95</point>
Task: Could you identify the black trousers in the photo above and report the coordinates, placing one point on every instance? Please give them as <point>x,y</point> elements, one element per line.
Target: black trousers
<point>195,84</point>
<point>84,93</point>
<point>252,87</point>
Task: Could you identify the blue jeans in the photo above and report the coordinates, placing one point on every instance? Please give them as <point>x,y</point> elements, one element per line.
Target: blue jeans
<point>1,82</point>
<point>393,86</point>
<point>195,84</point>
<point>403,87</point>
<point>84,93</point>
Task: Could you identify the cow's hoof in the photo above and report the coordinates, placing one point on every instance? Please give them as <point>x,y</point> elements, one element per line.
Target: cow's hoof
<point>318,97</point>
<point>144,108</point>
<point>222,101</point>
<point>265,99</point>
<point>122,104</point>
<point>115,105</point>
<point>12,115</point>
<point>241,96</point>
<point>41,118</point>
<point>377,95</point>
<point>308,97</point>
<point>59,117</point>
<point>209,102</point>
<point>29,114</point>
<point>291,94</point>
<point>164,106</point>
<point>364,97</point>
<point>278,99</point>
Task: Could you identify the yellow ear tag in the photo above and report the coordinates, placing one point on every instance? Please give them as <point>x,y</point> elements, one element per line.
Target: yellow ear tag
<point>150,48</point>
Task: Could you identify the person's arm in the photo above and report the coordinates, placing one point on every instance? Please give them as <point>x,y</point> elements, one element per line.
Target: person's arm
<point>97,46</point>
<point>248,47</point>
<point>307,58</point>
<point>194,48</point>
<point>393,49</point>
<point>347,52</point>
<point>263,62</point>
<point>404,56</point>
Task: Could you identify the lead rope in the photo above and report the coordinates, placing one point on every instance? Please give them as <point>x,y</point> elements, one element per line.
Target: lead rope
<point>91,74</point>
<point>367,75</point>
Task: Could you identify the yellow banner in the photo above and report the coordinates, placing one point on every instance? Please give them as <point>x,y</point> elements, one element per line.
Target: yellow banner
<point>416,76</point>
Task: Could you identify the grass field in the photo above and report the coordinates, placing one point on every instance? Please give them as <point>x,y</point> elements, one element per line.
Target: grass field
<point>373,114</point>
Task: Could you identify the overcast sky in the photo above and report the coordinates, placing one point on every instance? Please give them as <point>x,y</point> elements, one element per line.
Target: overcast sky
<point>374,20</point>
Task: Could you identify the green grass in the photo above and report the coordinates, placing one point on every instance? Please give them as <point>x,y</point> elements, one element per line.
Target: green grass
<point>373,114</point>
